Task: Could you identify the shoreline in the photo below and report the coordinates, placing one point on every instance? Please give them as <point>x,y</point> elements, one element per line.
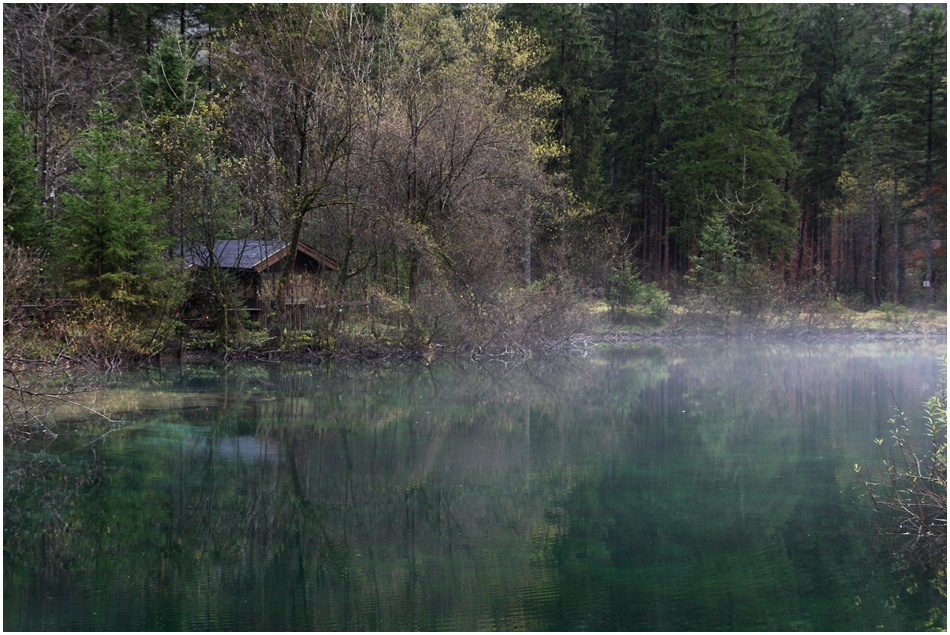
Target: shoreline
<point>578,341</point>
<point>594,334</point>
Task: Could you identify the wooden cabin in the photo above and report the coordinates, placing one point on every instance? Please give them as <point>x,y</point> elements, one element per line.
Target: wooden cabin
<point>257,265</point>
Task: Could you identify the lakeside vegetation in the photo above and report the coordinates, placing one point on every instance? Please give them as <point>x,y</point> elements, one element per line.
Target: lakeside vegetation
<point>909,491</point>
<point>488,178</point>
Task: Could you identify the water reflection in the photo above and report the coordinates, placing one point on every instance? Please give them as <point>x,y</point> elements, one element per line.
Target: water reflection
<point>699,487</point>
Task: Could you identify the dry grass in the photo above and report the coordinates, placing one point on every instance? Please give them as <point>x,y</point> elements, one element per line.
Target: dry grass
<point>696,317</point>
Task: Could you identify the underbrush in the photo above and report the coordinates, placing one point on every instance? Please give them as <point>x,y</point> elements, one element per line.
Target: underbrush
<point>909,490</point>
<point>781,309</point>
<point>511,320</point>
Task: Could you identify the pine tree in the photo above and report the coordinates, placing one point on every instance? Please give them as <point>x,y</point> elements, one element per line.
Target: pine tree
<point>845,49</point>
<point>170,85</point>
<point>637,40</point>
<point>574,68</point>
<point>21,191</point>
<point>107,242</point>
<point>740,68</point>
<point>914,99</point>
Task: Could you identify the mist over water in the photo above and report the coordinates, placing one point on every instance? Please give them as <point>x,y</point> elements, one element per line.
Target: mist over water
<point>701,486</point>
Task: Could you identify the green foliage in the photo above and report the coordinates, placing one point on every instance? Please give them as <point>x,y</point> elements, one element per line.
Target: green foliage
<point>746,284</point>
<point>438,150</point>
<point>108,247</point>
<point>106,243</point>
<point>913,106</point>
<point>841,52</point>
<point>893,312</point>
<point>716,264</point>
<point>911,491</point>
<point>741,67</point>
<point>576,60</point>
<point>639,40</point>
<point>21,191</point>
<point>913,95</point>
<point>625,288</point>
<point>170,85</point>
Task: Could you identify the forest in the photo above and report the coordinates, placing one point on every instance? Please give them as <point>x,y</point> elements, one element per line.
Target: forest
<point>480,175</point>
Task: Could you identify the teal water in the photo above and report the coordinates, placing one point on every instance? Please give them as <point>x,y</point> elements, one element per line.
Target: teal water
<point>705,486</point>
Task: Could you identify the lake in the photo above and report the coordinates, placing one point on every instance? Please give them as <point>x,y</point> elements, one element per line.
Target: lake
<point>705,485</point>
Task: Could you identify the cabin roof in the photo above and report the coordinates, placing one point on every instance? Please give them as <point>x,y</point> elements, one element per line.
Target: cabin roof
<point>254,255</point>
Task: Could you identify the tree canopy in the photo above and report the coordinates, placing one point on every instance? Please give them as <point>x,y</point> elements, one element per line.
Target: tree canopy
<point>449,156</point>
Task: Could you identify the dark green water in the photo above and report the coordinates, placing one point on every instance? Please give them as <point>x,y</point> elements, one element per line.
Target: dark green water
<point>707,486</point>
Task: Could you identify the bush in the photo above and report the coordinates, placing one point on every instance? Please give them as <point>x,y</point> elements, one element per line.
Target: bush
<point>911,495</point>
<point>98,330</point>
<point>516,320</point>
<point>22,286</point>
<point>626,289</point>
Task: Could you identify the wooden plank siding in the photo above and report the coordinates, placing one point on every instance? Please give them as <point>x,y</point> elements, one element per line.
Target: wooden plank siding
<point>258,265</point>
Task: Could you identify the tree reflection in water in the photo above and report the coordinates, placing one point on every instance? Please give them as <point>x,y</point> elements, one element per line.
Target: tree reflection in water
<point>651,488</point>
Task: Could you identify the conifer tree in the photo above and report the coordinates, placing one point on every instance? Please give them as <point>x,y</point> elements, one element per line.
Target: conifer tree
<point>837,42</point>
<point>915,100</point>
<point>637,38</point>
<point>21,191</point>
<point>107,244</point>
<point>577,61</point>
<point>170,85</point>
<point>739,68</point>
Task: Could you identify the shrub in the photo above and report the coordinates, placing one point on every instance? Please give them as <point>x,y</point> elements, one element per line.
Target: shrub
<point>22,285</point>
<point>516,320</point>
<point>104,333</point>
<point>911,494</point>
<point>625,289</point>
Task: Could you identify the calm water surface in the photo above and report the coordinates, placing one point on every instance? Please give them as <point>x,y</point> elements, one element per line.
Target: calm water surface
<point>706,486</point>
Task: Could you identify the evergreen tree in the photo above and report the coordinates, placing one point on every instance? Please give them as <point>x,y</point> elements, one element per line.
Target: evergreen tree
<point>832,38</point>
<point>637,38</point>
<point>107,242</point>
<point>861,186</point>
<point>915,100</point>
<point>170,85</point>
<point>21,191</point>
<point>716,262</point>
<point>740,68</point>
<point>577,61</point>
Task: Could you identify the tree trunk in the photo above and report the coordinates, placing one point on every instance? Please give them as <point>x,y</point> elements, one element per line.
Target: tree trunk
<point>928,252</point>
<point>289,260</point>
<point>345,264</point>
<point>413,276</point>
<point>898,248</point>
<point>527,248</point>
<point>873,235</point>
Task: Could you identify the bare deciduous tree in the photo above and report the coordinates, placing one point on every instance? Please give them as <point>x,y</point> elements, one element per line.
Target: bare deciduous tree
<point>53,58</point>
<point>300,72</point>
